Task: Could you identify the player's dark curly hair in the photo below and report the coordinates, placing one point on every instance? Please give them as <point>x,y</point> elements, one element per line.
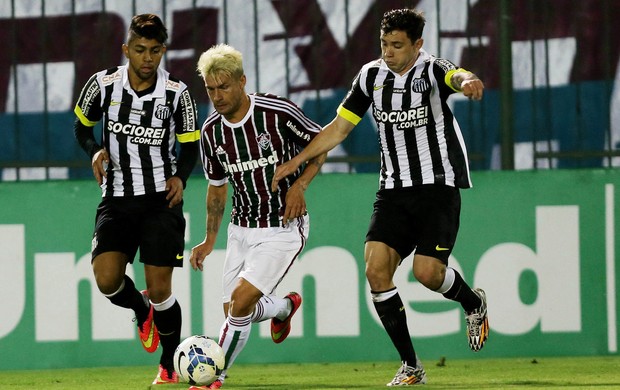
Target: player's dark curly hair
<point>409,20</point>
<point>148,26</point>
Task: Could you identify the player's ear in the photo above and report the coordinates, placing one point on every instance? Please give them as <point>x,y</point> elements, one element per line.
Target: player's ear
<point>418,44</point>
<point>125,50</point>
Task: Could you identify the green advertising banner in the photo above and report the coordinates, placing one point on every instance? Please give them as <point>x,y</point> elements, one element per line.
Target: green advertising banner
<point>542,244</point>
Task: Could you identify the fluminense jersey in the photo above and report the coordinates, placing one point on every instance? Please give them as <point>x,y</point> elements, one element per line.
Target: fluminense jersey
<point>420,140</point>
<point>245,155</point>
<point>138,132</point>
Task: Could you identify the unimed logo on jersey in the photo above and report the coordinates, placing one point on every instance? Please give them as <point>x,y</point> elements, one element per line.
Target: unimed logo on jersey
<point>139,134</point>
<point>415,117</point>
<point>243,166</point>
<point>293,128</point>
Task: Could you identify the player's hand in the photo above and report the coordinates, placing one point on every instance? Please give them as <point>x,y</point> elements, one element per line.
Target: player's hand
<point>295,203</point>
<point>283,171</point>
<point>198,254</point>
<point>99,163</point>
<point>473,88</point>
<point>174,186</point>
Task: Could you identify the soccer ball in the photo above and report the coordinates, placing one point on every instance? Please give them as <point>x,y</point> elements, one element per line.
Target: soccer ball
<point>199,360</point>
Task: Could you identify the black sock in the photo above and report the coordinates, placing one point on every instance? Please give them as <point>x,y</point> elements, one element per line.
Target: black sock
<point>168,323</point>
<point>392,315</point>
<point>129,297</point>
<point>462,293</point>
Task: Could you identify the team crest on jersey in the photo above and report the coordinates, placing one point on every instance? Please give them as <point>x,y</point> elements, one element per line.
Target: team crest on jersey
<point>264,141</point>
<point>162,112</point>
<point>419,85</point>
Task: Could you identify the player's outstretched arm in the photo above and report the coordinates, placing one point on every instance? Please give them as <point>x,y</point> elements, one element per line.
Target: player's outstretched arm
<point>469,84</point>
<point>216,202</point>
<point>333,134</point>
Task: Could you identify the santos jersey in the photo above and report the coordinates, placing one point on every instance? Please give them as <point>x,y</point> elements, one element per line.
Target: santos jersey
<point>245,155</point>
<point>139,130</point>
<point>420,140</point>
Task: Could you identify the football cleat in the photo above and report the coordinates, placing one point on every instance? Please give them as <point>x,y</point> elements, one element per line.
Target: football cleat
<point>147,330</point>
<point>478,323</point>
<point>281,328</point>
<point>407,375</point>
<point>165,376</point>
<point>215,385</point>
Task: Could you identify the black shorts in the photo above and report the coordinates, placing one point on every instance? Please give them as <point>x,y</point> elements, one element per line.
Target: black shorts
<point>423,218</point>
<point>145,222</point>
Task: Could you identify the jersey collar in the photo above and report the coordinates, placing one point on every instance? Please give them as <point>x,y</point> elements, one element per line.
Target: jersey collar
<point>160,84</point>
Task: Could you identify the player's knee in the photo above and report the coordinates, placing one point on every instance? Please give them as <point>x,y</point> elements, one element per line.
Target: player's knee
<point>159,293</point>
<point>107,285</point>
<point>428,277</point>
<point>378,279</point>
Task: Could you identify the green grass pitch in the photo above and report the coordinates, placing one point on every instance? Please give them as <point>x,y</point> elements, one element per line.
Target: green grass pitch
<point>510,373</point>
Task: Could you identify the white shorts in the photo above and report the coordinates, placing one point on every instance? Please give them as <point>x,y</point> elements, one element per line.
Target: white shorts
<point>262,256</point>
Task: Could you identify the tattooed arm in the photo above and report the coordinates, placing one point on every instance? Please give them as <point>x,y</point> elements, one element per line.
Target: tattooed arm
<point>216,202</point>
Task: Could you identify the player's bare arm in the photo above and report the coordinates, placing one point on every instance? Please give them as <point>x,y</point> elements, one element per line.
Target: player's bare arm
<point>333,134</point>
<point>295,199</point>
<point>216,202</point>
<point>468,83</point>
<point>174,187</point>
<point>98,162</point>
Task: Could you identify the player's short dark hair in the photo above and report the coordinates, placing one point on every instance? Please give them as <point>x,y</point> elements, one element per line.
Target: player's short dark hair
<point>147,26</point>
<point>409,20</point>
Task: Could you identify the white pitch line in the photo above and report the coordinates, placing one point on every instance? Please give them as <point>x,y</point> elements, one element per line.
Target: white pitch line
<point>612,334</point>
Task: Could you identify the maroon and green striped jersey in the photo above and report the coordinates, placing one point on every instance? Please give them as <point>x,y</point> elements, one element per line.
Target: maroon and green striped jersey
<point>245,154</point>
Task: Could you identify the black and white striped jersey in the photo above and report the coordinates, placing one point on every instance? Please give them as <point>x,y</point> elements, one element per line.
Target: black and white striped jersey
<point>139,130</point>
<point>245,155</point>
<point>420,140</point>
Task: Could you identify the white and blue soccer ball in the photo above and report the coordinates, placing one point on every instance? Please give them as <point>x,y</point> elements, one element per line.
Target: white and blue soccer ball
<point>199,360</point>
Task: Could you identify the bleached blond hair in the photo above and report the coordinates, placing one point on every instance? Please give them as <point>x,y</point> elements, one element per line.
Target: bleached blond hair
<point>221,59</point>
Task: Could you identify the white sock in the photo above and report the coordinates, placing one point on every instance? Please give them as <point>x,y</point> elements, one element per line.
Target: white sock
<point>383,296</point>
<point>448,281</point>
<point>234,334</point>
<point>271,306</point>
<point>164,305</point>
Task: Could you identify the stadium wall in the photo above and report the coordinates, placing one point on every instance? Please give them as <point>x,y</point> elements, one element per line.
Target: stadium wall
<point>542,244</point>
<point>559,107</point>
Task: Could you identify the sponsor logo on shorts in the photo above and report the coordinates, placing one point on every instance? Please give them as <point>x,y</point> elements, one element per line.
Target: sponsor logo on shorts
<point>94,243</point>
<point>439,248</point>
